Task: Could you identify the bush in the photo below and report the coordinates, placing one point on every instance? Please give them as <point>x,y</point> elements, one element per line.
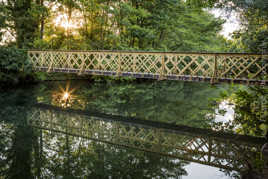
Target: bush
<point>14,67</point>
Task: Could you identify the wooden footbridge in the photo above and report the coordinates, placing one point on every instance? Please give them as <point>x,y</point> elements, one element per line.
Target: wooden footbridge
<point>214,67</point>
<point>222,150</point>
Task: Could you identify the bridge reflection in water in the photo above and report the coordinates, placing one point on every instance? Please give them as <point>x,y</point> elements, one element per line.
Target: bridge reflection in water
<point>226,151</point>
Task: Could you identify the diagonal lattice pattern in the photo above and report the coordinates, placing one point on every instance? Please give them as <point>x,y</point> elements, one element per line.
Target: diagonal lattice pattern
<point>222,153</point>
<point>194,65</point>
<point>164,65</point>
<point>246,66</point>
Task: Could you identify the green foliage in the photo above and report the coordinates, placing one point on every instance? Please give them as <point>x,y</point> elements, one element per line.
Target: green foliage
<point>253,34</point>
<point>50,153</point>
<point>134,25</point>
<point>165,101</point>
<point>14,67</point>
<point>160,25</point>
<point>251,108</point>
<point>13,59</point>
<point>70,157</point>
<point>251,115</point>
<point>23,18</point>
<point>3,19</point>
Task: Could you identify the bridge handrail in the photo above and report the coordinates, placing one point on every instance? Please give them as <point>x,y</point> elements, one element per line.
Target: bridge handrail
<point>151,52</point>
<point>158,65</point>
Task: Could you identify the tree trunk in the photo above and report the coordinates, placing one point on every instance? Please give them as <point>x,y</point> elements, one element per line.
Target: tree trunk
<point>42,22</point>
<point>26,25</point>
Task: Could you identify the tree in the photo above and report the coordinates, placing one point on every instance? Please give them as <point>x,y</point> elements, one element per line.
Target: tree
<point>23,17</point>
<point>141,25</point>
<point>250,109</point>
<point>253,35</point>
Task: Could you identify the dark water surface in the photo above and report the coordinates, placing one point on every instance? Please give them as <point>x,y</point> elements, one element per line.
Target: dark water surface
<point>159,129</point>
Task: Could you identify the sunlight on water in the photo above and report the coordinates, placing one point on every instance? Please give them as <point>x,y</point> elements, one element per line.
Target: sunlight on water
<point>65,96</point>
<point>119,130</point>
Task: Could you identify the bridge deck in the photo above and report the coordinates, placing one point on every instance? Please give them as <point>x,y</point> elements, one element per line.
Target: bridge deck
<point>172,66</point>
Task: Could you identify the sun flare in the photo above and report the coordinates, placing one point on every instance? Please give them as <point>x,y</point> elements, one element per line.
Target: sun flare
<point>67,92</point>
<point>65,96</point>
<point>62,21</point>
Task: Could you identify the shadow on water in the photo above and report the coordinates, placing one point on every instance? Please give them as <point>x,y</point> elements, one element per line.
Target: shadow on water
<point>119,131</point>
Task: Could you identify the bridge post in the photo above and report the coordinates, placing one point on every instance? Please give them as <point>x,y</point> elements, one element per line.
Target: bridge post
<point>70,65</point>
<point>51,62</point>
<point>42,58</point>
<point>134,63</point>
<point>99,61</point>
<point>162,72</point>
<point>209,148</point>
<point>212,81</point>
<point>81,56</point>
<point>119,64</point>
<point>265,68</point>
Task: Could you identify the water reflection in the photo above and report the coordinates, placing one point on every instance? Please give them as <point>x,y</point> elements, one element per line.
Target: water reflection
<point>52,142</point>
<point>65,97</point>
<point>119,131</point>
<point>177,103</point>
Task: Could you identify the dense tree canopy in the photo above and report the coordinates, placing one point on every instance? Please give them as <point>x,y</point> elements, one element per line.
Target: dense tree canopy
<point>253,34</point>
<point>134,24</point>
<point>95,24</point>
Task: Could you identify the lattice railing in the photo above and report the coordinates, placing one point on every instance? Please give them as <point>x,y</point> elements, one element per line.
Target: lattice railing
<point>222,153</point>
<point>154,65</point>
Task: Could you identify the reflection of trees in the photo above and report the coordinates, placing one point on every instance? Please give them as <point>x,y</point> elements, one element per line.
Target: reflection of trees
<point>19,143</point>
<point>251,110</point>
<point>99,160</point>
<point>204,146</point>
<point>17,139</point>
<point>179,103</point>
<point>58,150</point>
<point>45,154</point>
<point>94,157</point>
<point>173,102</point>
<point>251,114</point>
<point>53,148</point>
<point>20,155</point>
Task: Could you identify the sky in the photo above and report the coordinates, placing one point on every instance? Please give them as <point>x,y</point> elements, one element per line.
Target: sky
<point>231,24</point>
<point>198,171</point>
